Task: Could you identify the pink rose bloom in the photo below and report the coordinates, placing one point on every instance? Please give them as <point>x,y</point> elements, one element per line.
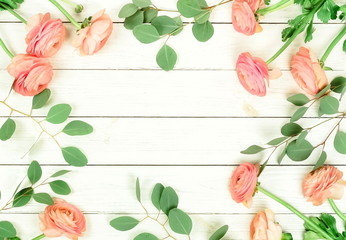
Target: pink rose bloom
<point>92,38</point>
<point>252,73</point>
<point>264,227</point>
<point>255,4</point>
<point>307,71</point>
<point>31,74</point>
<point>323,183</point>
<point>45,35</point>
<point>243,183</point>
<point>243,18</point>
<point>62,218</point>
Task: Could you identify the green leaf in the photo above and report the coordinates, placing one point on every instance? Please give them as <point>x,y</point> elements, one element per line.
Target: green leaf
<point>124,223</point>
<point>282,155</point>
<point>291,129</point>
<point>60,173</point>
<point>203,17</point>
<point>328,11</point>
<point>7,130</point>
<point>34,172</point>
<point>59,113</point>
<point>166,58</point>
<point>146,33</point>
<point>43,198</point>
<point>299,152</point>
<point>23,197</point>
<point>310,235</point>
<point>253,149</point>
<point>302,136</point>
<point>338,85</point>
<point>220,233</point>
<point>41,99</point>
<point>138,190</point>
<point>340,142</point>
<point>7,230</point>
<point>13,4</point>
<point>149,15</point>
<point>74,156</point>
<point>179,221</point>
<point>164,24</point>
<point>156,195</point>
<point>299,99</point>
<point>189,8</point>
<point>203,32</point>
<point>60,187</point>
<point>146,236</point>
<point>286,236</point>
<point>277,141</point>
<point>128,10</point>
<point>344,46</point>
<point>329,105</point>
<point>77,128</point>
<point>321,160</point>
<point>169,200</point>
<point>323,91</point>
<point>299,114</point>
<point>135,20</point>
<point>142,3</point>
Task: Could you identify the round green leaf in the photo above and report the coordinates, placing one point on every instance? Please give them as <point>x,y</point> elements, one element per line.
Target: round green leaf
<point>340,142</point>
<point>34,172</point>
<point>128,10</point>
<point>142,3</point>
<point>299,114</point>
<point>77,127</point>
<point>41,99</point>
<point>329,105</point>
<point>252,150</point>
<point>299,99</point>
<point>74,156</point>
<point>146,33</point>
<point>22,197</point>
<point>220,233</point>
<point>299,152</point>
<point>166,58</point>
<point>164,24</point>
<point>179,221</point>
<point>124,223</point>
<point>169,200</point>
<point>59,113</point>
<point>135,20</point>
<point>60,187</point>
<point>146,236</point>
<point>203,32</point>
<point>149,15</point>
<point>291,129</point>
<point>7,230</point>
<point>7,130</point>
<point>156,195</point>
<point>203,17</point>
<point>43,198</point>
<point>189,8</point>
<point>338,85</point>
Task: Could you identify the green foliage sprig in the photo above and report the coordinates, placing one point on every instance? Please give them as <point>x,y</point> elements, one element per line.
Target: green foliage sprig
<point>166,201</point>
<point>293,142</point>
<point>57,114</point>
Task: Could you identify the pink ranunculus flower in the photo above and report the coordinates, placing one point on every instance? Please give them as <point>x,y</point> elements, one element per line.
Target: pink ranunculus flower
<point>92,38</point>
<point>323,183</point>
<point>252,73</point>
<point>264,227</point>
<point>45,35</point>
<point>255,4</point>
<point>243,183</point>
<point>243,18</point>
<point>62,218</point>
<point>307,71</point>
<point>31,74</point>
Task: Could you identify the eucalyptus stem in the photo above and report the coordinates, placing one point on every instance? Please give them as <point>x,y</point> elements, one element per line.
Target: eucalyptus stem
<point>67,15</point>
<point>10,10</point>
<point>6,50</point>
<point>333,44</point>
<point>296,212</point>
<point>275,7</point>
<point>336,209</point>
<point>39,237</point>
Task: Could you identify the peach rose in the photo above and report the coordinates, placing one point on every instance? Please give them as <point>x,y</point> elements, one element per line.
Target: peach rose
<point>62,218</point>
<point>307,71</point>
<point>32,74</point>
<point>264,227</point>
<point>243,183</point>
<point>323,183</point>
<point>45,35</point>
<point>243,18</point>
<point>92,38</point>
<point>252,73</point>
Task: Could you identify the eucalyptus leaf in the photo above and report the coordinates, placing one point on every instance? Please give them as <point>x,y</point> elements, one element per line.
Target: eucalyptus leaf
<point>299,152</point>
<point>156,195</point>
<point>59,113</point>
<point>60,187</point>
<point>142,3</point>
<point>41,99</point>
<point>169,200</point>
<point>338,85</point>
<point>7,230</point>
<point>298,114</point>
<point>146,236</point>
<point>74,156</point>
<point>124,223</point>
<point>34,172</point>
<point>329,105</point>
<point>282,155</point>
<point>135,20</point>
<point>166,58</point>
<point>149,15</point>
<point>43,198</point>
<point>189,8</point>
<point>7,129</point>
<point>164,24</point>
<point>291,129</point>
<point>128,10</point>
<point>220,233</point>
<point>138,190</point>
<point>203,17</point>
<point>323,91</point>
<point>60,173</point>
<point>179,221</point>
<point>253,149</point>
<point>23,197</point>
<point>146,33</point>
<point>340,142</point>
<point>322,159</point>
<point>298,99</point>
<point>277,141</point>
<point>179,22</point>
<point>77,128</point>
<point>203,32</point>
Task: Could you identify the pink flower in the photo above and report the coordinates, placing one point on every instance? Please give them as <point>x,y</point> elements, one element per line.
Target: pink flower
<point>62,218</point>
<point>255,4</point>
<point>252,73</point>
<point>243,183</point>
<point>243,18</point>
<point>323,183</point>
<point>92,38</point>
<point>32,74</point>
<point>45,35</point>
<point>307,71</point>
<point>264,227</point>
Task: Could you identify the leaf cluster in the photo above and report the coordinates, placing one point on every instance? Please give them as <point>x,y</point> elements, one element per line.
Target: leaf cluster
<point>327,223</point>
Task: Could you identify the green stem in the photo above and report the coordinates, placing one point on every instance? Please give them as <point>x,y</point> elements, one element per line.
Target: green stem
<point>336,209</point>
<point>10,10</point>
<point>63,11</point>
<point>39,237</point>
<point>333,44</point>
<point>275,7</point>
<point>296,212</point>
<point>4,47</point>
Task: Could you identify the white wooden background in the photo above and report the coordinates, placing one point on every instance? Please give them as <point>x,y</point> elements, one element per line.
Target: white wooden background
<point>184,128</point>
